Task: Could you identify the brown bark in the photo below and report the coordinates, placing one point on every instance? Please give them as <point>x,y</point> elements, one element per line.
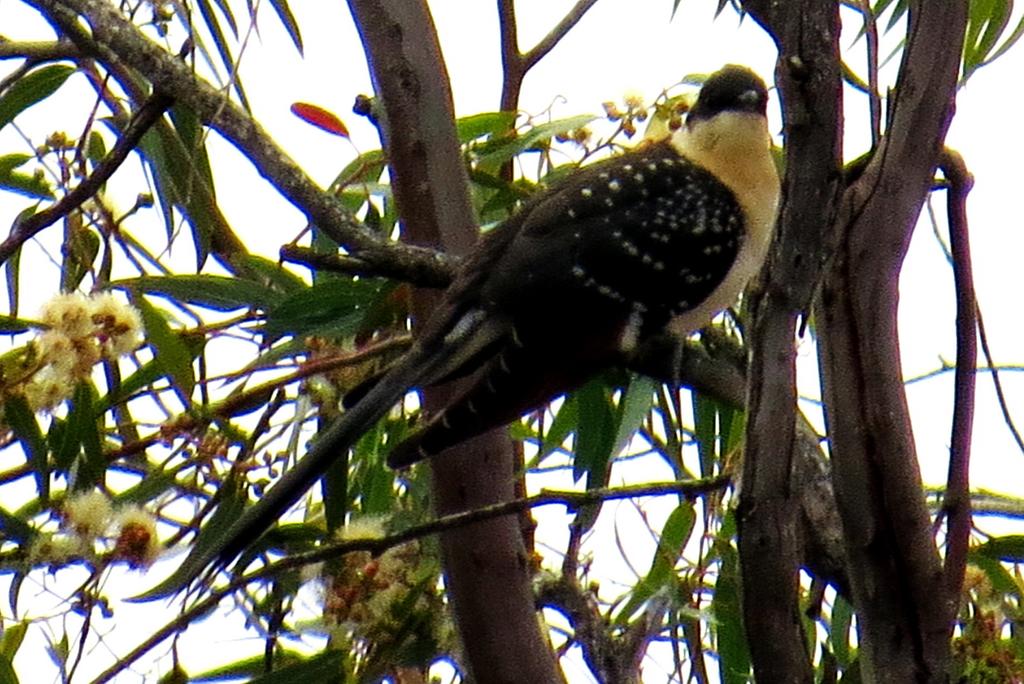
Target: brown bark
<point>896,578</point>
<point>485,563</point>
<point>807,35</point>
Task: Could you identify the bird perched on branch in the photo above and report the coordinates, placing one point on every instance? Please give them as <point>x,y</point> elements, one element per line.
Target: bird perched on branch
<point>662,237</point>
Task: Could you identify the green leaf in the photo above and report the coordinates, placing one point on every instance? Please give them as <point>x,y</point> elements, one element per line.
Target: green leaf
<point>7,673</point>
<point>284,13</point>
<point>10,325</point>
<point>733,652</point>
<point>58,651</point>
<point>323,667</point>
<point>595,434</point>
<point>475,126</point>
<point>11,639</point>
<point>12,269</point>
<point>171,352</point>
<point>225,7</point>
<point>661,576</point>
<point>192,136</point>
<point>1010,41</point>
<point>247,668</point>
<point>366,168</point>
<point>219,293</point>
<point>31,185</point>
<point>181,173</point>
<point>187,142</point>
<point>504,150</point>
<point>372,482</point>
<point>333,307</point>
<point>634,406</point>
<point>839,631</point>
<point>23,423</point>
<point>273,275</point>
<point>899,11</point>
<point>154,484</point>
<point>15,529</point>
<point>221,43</point>
<point>718,428</point>
<point>95,148</point>
<point>151,148</point>
<point>81,245</point>
<point>1008,548</point>
<point>334,485</point>
<point>84,437</point>
<point>1000,578</point>
<point>230,506</point>
<point>33,87</point>
<point>986,22</point>
<point>564,424</point>
<point>705,429</point>
<point>147,374</point>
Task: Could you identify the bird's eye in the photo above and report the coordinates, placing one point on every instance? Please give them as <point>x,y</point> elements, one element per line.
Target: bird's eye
<point>750,97</point>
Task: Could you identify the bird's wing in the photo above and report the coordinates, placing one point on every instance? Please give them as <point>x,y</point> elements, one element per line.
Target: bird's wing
<point>601,261</point>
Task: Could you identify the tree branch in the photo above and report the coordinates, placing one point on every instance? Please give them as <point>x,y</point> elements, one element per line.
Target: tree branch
<point>486,566</point>
<point>570,499</point>
<point>809,81</point>
<point>514,63</point>
<point>114,38</point>
<point>1004,406</point>
<point>423,273</point>
<point>555,35</point>
<point>957,501</point>
<point>896,576</point>
<point>25,229</point>
<point>38,50</point>
<point>610,658</point>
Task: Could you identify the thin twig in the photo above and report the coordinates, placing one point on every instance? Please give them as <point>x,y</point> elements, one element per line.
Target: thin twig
<point>572,500</point>
<point>38,50</point>
<point>231,406</point>
<point>511,58</point>
<point>26,229</point>
<point>1004,406</point>
<point>990,365</point>
<point>957,502</point>
<point>874,99</point>
<point>548,42</point>
<point>1011,368</point>
<point>429,273</point>
<point>116,40</point>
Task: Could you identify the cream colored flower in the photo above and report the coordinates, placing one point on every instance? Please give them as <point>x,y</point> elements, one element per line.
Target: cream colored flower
<point>54,549</point>
<point>137,541</point>
<point>56,349</point>
<point>118,324</point>
<point>363,527</point>
<point>70,313</point>
<point>633,100</point>
<point>48,388</point>
<point>88,514</point>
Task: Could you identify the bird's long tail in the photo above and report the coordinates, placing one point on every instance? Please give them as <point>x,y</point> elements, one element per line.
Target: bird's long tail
<point>327,446</point>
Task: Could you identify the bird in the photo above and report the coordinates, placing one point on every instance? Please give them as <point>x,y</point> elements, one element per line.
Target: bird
<point>655,240</point>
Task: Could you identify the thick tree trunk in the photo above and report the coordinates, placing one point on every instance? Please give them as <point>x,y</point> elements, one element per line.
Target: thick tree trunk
<point>903,606</point>
<point>807,35</point>
<point>485,564</point>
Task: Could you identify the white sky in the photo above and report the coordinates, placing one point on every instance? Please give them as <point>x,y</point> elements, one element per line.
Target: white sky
<point>615,49</point>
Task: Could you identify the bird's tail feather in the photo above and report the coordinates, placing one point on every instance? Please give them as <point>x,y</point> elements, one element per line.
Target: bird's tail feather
<point>326,447</point>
